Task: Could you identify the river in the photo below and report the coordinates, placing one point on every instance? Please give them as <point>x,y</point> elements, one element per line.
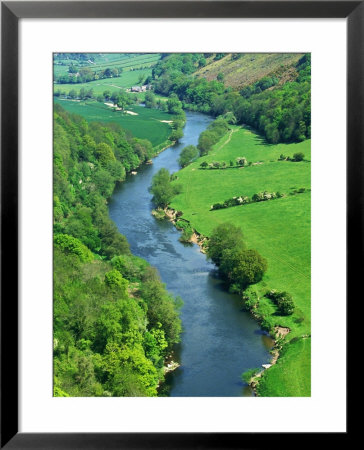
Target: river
<point>219,339</point>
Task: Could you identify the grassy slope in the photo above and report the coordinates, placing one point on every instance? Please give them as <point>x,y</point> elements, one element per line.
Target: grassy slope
<point>291,373</point>
<point>278,229</point>
<point>146,125</point>
<point>249,68</point>
<point>125,81</point>
<point>104,60</point>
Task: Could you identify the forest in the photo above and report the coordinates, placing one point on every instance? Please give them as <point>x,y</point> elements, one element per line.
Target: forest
<point>280,112</point>
<point>109,306</point>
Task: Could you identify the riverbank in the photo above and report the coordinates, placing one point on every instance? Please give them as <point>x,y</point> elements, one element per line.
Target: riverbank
<point>279,230</point>
<point>278,334</point>
<point>206,369</point>
<point>98,281</point>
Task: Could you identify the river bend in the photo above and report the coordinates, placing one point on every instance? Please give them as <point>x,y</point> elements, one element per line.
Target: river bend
<point>220,340</point>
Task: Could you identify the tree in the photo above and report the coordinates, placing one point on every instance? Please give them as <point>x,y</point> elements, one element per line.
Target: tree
<point>220,76</point>
<point>176,135</point>
<point>149,100</point>
<point>162,105</point>
<point>224,236</point>
<point>205,142</point>
<point>219,56</point>
<point>161,188</point>
<point>174,105</point>
<point>230,118</point>
<point>115,281</point>
<point>242,267</point>
<point>298,157</point>
<point>162,309</point>
<point>123,101</point>
<point>104,153</point>
<point>72,69</point>
<point>69,244</point>
<point>114,96</point>
<point>107,73</point>
<point>187,155</point>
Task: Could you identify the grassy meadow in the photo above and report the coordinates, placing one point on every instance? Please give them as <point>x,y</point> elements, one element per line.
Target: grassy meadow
<point>109,60</point>
<point>279,229</point>
<point>125,81</point>
<point>145,125</point>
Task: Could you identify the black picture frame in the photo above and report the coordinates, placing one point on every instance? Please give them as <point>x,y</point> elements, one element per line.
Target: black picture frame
<point>11,12</point>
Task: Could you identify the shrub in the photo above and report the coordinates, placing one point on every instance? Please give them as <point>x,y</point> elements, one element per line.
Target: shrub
<point>249,374</point>
<point>218,206</point>
<point>298,157</point>
<point>250,300</point>
<point>186,235</point>
<point>283,300</point>
<point>241,161</point>
<point>285,304</point>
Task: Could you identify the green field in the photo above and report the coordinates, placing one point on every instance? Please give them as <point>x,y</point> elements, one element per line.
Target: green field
<point>125,81</point>
<point>146,125</point>
<point>279,229</point>
<point>290,376</point>
<point>105,60</point>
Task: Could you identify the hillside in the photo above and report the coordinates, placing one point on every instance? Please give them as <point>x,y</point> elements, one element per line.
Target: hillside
<point>243,69</point>
<point>114,322</point>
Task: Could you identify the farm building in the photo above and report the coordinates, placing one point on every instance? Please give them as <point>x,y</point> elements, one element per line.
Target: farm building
<point>144,88</point>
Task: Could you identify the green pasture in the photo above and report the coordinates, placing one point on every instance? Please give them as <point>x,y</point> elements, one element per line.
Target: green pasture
<point>146,125</point>
<point>102,61</point>
<point>279,229</point>
<point>125,81</point>
<point>126,61</point>
<point>291,375</point>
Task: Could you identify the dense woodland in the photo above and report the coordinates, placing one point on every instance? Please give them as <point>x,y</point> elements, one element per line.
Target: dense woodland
<point>114,321</point>
<point>280,112</point>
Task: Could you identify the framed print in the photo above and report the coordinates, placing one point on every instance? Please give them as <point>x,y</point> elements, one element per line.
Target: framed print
<point>200,114</point>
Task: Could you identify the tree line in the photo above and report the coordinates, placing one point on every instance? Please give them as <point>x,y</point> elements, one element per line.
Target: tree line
<point>84,74</point>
